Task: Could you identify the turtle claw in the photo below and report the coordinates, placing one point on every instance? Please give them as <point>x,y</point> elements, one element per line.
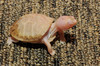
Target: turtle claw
<point>53,52</point>
<point>62,42</point>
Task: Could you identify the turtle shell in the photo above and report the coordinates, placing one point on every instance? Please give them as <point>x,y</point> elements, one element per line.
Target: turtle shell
<point>31,27</point>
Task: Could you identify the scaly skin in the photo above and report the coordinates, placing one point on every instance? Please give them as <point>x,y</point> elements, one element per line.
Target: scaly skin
<point>61,24</point>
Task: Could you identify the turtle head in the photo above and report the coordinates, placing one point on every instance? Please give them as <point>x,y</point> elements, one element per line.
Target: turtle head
<point>65,22</point>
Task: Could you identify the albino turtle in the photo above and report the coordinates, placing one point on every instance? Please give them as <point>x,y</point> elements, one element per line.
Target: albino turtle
<point>38,28</point>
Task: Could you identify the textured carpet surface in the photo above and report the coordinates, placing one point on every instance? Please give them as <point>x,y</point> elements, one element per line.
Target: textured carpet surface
<point>82,47</point>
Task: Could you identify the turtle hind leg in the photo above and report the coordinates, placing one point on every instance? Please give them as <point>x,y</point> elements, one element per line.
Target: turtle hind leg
<point>10,40</point>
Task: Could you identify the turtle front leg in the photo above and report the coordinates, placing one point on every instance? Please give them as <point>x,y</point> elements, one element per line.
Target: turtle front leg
<point>10,40</point>
<point>62,38</point>
<point>47,43</point>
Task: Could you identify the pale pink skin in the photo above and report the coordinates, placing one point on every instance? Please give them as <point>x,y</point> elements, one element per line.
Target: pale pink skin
<point>61,24</point>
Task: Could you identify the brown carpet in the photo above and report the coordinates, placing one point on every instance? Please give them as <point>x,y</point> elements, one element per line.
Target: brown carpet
<point>83,41</point>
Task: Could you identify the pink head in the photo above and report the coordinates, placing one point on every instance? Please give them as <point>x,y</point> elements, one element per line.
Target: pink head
<point>65,22</point>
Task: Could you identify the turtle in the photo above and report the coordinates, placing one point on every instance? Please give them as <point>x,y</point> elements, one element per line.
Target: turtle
<point>39,28</point>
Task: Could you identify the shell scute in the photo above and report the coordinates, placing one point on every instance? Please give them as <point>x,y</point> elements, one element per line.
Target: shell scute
<point>31,27</point>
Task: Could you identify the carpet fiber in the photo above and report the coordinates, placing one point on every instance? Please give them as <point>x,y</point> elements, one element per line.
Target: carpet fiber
<point>82,46</point>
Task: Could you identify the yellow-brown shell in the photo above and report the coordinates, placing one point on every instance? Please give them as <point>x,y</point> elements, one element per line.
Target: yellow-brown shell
<point>31,27</point>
